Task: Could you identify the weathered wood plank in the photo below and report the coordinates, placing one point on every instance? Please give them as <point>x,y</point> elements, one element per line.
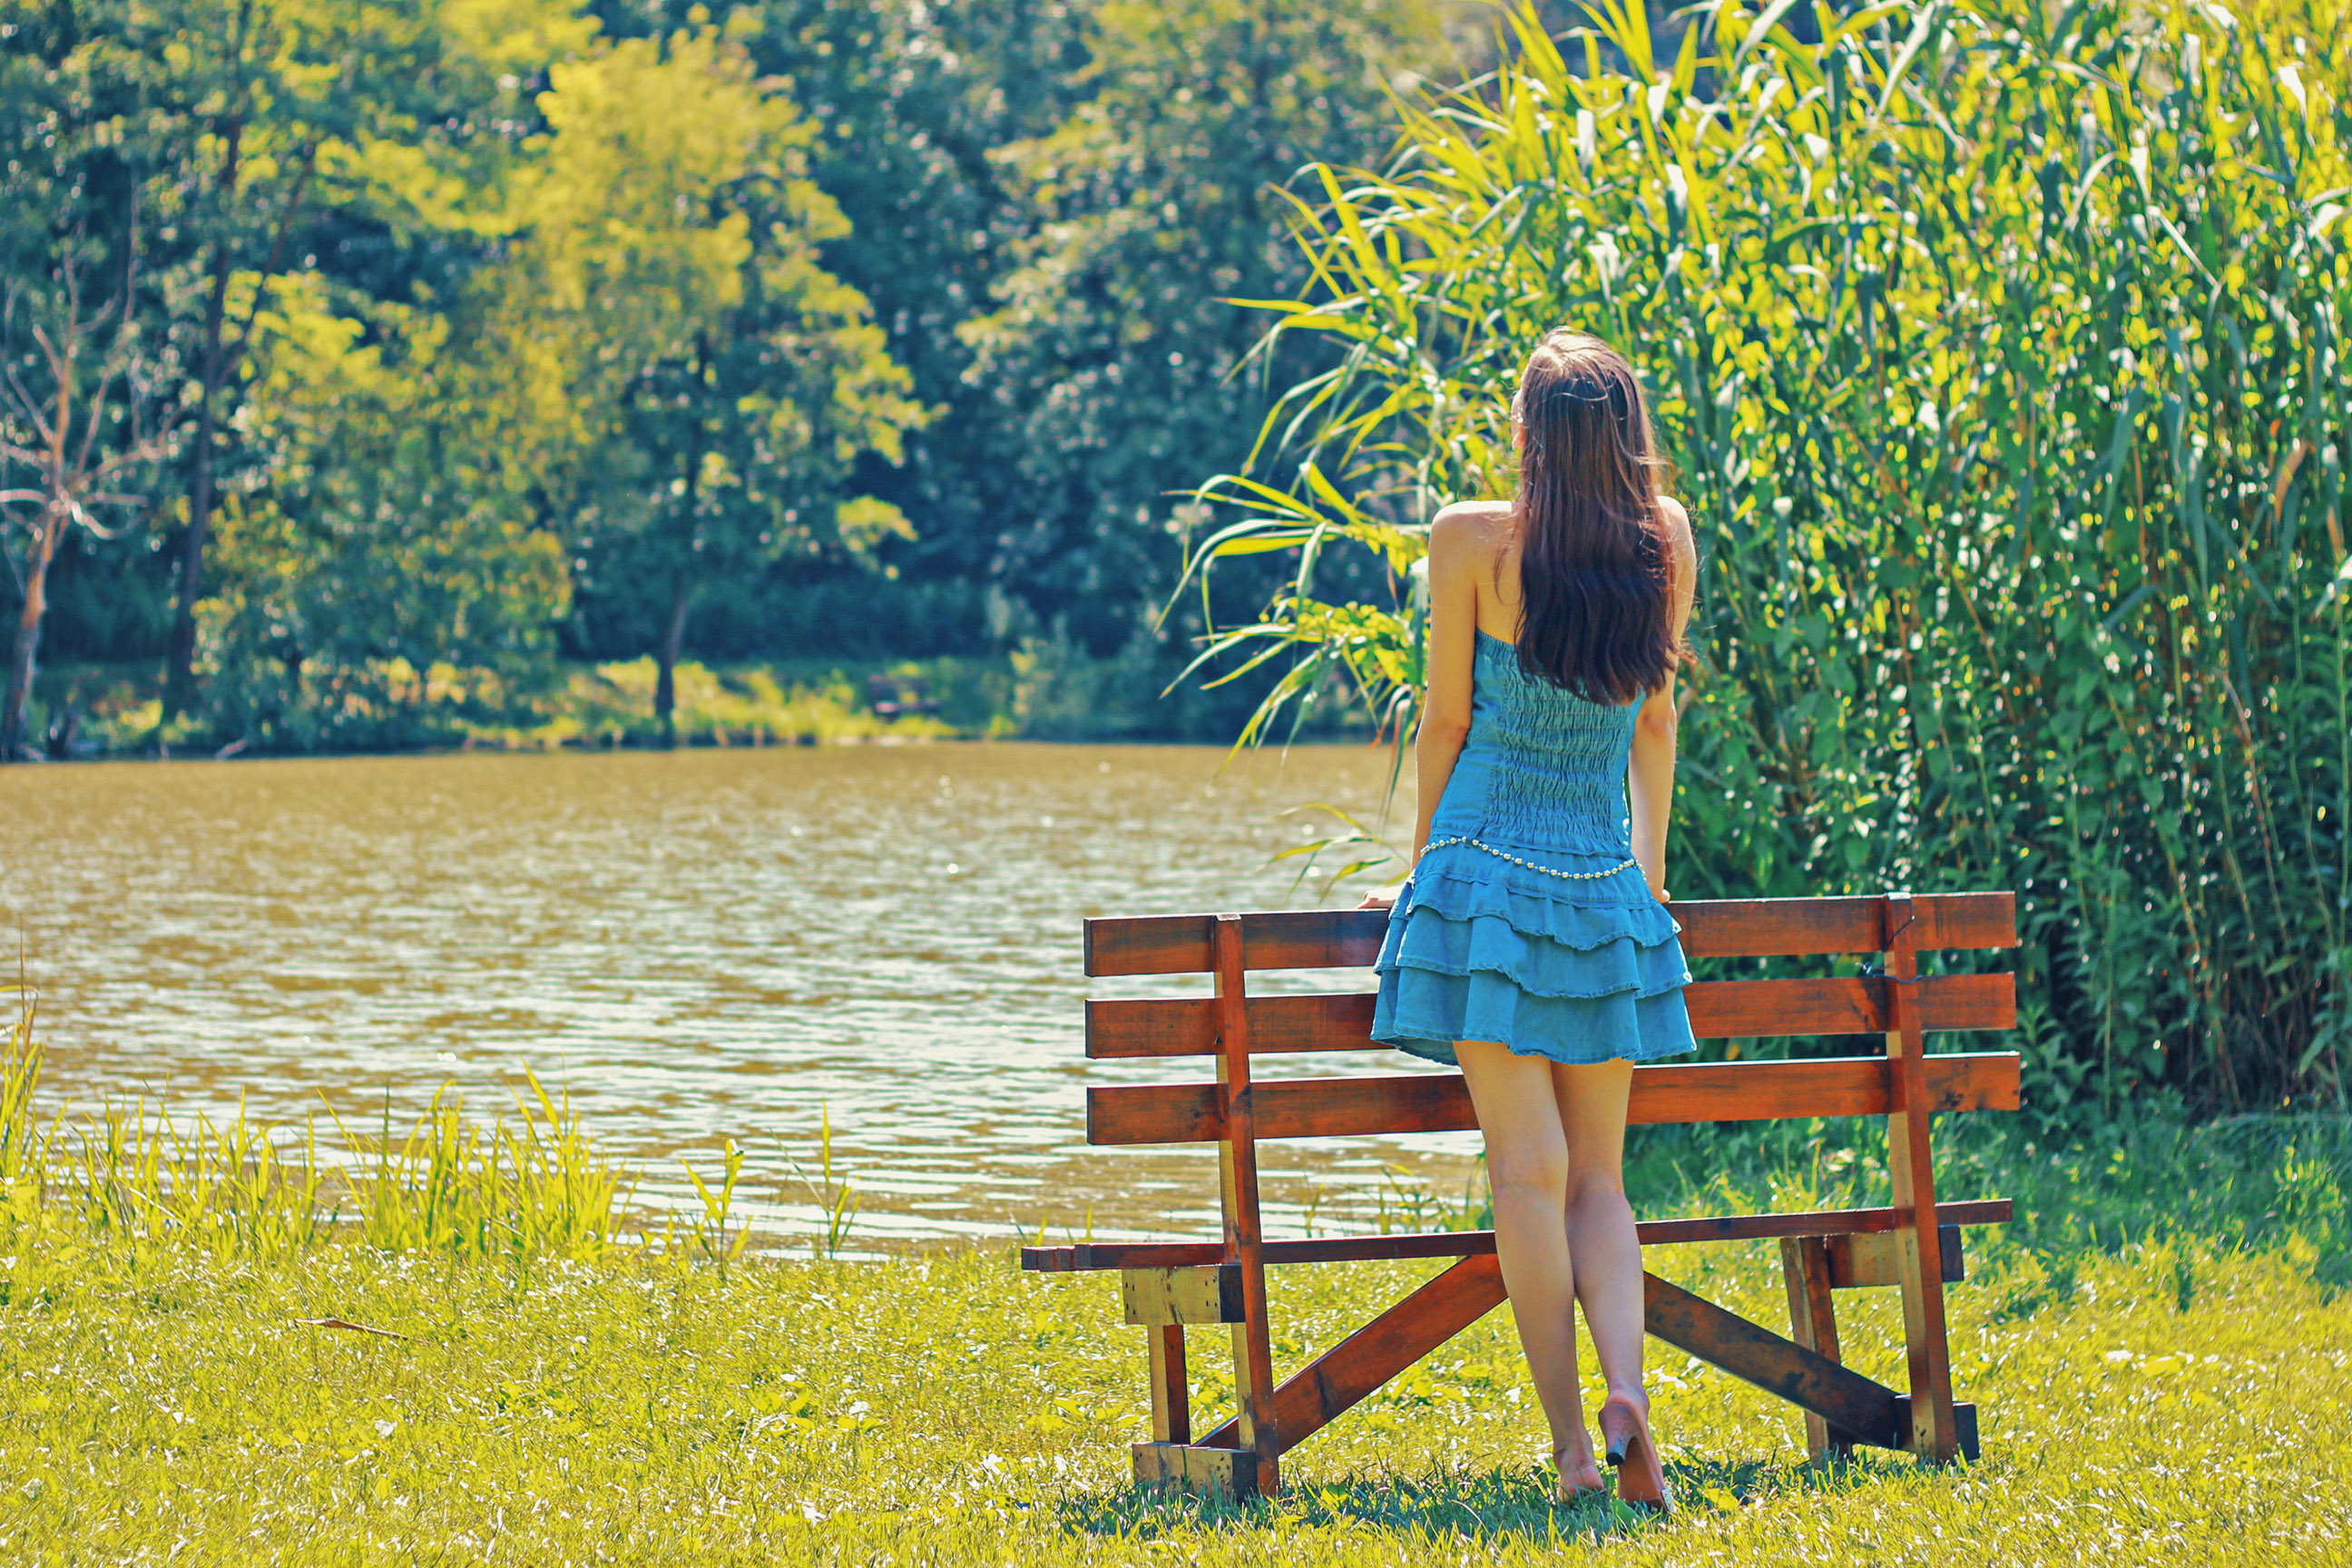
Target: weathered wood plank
<point>1807,1379</point>
<point>1237,1185</point>
<point>1187,1025</point>
<point>1208,1294</point>
<point>1748,1009</point>
<point>1341,939</point>
<point>1271,939</point>
<point>1911,1174</point>
<point>1171,1391</point>
<point>1756,927</point>
<point>1812,1323</point>
<point>1433,1102</point>
<point>1121,1029</point>
<point>1224,1473</point>
<point>1341,1376</point>
<point>1858,1262</point>
<point>1101,1255</point>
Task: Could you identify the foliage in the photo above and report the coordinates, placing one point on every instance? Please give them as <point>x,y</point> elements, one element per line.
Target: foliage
<point>261,122</point>
<point>607,705</point>
<point>113,711</point>
<point>914,101</point>
<point>83,394</point>
<point>391,536</point>
<point>726,381</point>
<point>2002,353</point>
<point>489,321</point>
<point>1114,350</point>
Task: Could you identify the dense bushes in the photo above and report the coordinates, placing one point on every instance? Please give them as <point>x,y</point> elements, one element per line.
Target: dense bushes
<point>2002,352</point>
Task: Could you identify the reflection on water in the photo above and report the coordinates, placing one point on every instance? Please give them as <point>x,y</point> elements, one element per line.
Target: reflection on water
<point>696,946</point>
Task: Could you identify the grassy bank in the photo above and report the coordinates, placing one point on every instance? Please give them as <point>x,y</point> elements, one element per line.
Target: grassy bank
<point>165,1402</point>
<point>113,710</point>
<point>215,1348</point>
<point>1040,688</point>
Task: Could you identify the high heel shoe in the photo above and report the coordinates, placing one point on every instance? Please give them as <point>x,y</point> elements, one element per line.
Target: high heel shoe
<point>1580,1476</point>
<point>1641,1480</point>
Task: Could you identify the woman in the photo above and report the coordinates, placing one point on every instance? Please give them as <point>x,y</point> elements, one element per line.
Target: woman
<point>1531,943</point>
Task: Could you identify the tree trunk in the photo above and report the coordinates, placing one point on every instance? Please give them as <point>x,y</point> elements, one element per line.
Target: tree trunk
<point>28,640</point>
<point>179,672</point>
<point>666,682</point>
<point>681,585</point>
<point>179,669</point>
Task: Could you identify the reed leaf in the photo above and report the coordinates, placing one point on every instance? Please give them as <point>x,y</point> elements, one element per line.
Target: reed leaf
<point>2002,353</point>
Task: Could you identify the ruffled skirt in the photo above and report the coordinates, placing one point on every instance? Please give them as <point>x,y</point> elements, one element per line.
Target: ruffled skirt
<point>1576,971</point>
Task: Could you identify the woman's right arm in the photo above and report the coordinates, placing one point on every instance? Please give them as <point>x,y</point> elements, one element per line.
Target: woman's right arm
<point>1459,545</point>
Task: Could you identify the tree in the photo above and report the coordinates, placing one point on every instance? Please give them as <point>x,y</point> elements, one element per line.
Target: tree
<point>728,379</point>
<point>913,99</point>
<point>1115,355</point>
<point>385,580</point>
<point>73,409</point>
<point>381,564</point>
<point>276,112</point>
<point>81,400</point>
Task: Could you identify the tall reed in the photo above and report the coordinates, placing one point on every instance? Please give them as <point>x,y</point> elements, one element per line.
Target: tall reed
<point>521,1187</point>
<point>2002,350</point>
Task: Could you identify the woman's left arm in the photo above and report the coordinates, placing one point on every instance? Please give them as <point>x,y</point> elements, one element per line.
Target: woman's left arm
<point>1458,542</point>
<point>1650,771</point>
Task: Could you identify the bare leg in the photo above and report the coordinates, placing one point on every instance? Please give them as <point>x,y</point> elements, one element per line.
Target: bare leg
<point>1527,1163</point>
<point>1607,1253</point>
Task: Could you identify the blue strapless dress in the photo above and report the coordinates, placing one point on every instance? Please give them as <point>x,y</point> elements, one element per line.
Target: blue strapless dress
<point>1525,923</point>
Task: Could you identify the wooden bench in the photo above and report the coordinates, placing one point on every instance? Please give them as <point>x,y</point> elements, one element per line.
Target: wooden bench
<point>1915,1243</point>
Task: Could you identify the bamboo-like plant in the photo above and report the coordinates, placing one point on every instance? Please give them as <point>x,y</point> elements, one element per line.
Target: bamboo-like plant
<point>2002,348</point>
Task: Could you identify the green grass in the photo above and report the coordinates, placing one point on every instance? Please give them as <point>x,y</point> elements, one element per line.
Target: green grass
<point>2160,1351</point>
<point>946,1409</point>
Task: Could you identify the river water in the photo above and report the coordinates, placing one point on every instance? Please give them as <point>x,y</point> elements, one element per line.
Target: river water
<point>696,946</point>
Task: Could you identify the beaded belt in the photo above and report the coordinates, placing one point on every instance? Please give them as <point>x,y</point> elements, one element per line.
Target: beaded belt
<point>1529,865</point>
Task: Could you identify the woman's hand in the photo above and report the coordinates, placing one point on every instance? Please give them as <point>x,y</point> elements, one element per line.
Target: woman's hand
<point>1381,898</point>
<point>1660,894</point>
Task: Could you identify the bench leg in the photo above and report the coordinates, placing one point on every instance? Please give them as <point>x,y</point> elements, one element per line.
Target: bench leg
<point>1244,1240</point>
<point>1812,1323</point>
<point>1911,1171</point>
<point>1172,1396</point>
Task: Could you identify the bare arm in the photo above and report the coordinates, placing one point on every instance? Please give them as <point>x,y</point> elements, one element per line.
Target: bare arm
<point>1650,771</point>
<point>1457,547</point>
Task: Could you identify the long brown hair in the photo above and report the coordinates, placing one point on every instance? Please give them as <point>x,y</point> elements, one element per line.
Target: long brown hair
<point>1596,568</point>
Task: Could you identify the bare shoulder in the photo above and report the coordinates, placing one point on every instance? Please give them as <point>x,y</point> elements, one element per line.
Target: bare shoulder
<point>1469,526</point>
<point>1678,529</point>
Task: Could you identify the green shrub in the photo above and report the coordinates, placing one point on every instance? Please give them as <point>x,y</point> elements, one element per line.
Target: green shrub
<point>2002,353</point>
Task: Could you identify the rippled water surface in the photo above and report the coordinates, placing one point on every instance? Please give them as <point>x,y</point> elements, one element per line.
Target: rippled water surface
<point>696,946</point>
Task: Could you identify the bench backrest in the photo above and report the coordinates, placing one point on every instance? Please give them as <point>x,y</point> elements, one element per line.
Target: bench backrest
<point>1233,1023</point>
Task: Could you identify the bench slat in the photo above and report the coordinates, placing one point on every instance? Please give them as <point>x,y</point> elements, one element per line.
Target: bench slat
<point>1281,939</point>
<point>1761,928</point>
<point>1431,1102</point>
<point>1719,1010</point>
<point>1726,928</point>
<point>1748,1009</point>
<point>1095,1255</point>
